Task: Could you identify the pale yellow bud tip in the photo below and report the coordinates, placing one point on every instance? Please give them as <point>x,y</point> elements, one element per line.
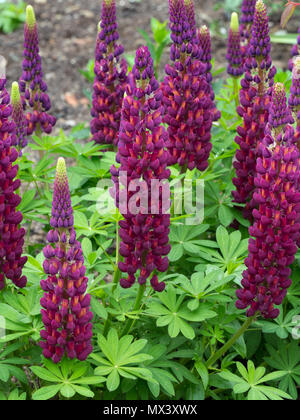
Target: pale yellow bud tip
<point>234,25</point>
<point>61,169</point>
<point>30,17</point>
<point>260,6</point>
<point>15,94</point>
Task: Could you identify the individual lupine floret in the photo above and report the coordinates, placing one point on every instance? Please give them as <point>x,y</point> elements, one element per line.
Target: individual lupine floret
<point>18,117</point>
<point>110,79</point>
<point>32,86</point>
<point>234,54</point>
<point>66,308</point>
<point>204,40</point>
<point>189,109</point>
<point>294,52</point>
<point>255,97</point>
<point>276,227</point>
<point>144,232</point>
<point>11,235</point>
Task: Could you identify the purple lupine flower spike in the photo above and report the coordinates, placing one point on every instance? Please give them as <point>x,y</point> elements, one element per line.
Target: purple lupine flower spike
<point>255,98</point>
<point>66,306</point>
<point>110,79</point>
<point>234,54</point>
<point>247,16</point>
<point>190,12</point>
<point>294,52</point>
<point>32,85</point>
<point>144,232</point>
<point>11,235</point>
<point>204,41</point>
<point>276,228</point>
<point>19,117</point>
<point>294,98</point>
<point>189,109</point>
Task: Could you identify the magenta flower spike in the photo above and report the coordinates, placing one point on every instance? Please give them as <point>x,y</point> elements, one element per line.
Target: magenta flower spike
<point>190,12</point>
<point>234,54</point>
<point>255,98</point>
<point>110,79</point>
<point>247,17</point>
<point>204,42</point>
<point>11,234</point>
<point>18,117</point>
<point>33,88</point>
<point>66,306</point>
<point>294,98</point>
<point>189,109</point>
<point>295,51</point>
<point>276,227</point>
<point>144,232</point>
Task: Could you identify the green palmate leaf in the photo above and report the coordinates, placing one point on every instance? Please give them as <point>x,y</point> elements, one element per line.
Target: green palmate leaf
<point>46,392</point>
<point>122,358</point>
<point>67,391</point>
<point>250,381</point>
<point>44,374</point>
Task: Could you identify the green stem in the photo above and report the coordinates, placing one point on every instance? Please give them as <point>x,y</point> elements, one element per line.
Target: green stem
<point>212,360</point>
<point>105,253</point>
<point>115,282</point>
<point>130,322</point>
<point>236,91</point>
<point>116,279</point>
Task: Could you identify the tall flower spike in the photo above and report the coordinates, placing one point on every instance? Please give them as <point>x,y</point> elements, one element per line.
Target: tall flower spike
<point>276,228</point>
<point>189,109</point>
<point>32,86</point>
<point>255,97</point>
<point>110,79</point>
<point>294,99</point>
<point>247,16</point>
<point>190,12</point>
<point>204,41</point>
<point>295,51</point>
<point>11,235</point>
<point>144,232</point>
<point>234,52</point>
<point>66,308</point>
<point>18,117</point>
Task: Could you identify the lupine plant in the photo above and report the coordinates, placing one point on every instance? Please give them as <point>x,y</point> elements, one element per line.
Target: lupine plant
<point>254,107</point>
<point>110,78</point>
<point>32,85</point>
<point>110,288</point>
<point>11,234</point>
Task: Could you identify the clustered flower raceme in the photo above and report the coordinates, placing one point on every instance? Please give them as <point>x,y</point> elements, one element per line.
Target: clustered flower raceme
<point>19,117</point>
<point>204,42</point>
<point>234,54</point>
<point>11,235</point>
<point>32,86</point>
<point>294,52</point>
<point>144,232</point>
<point>110,79</point>
<point>189,109</point>
<point>66,314</point>
<point>276,227</point>
<point>255,98</point>
<point>294,98</point>
<point>190,13</point>
<point>248,10</point>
